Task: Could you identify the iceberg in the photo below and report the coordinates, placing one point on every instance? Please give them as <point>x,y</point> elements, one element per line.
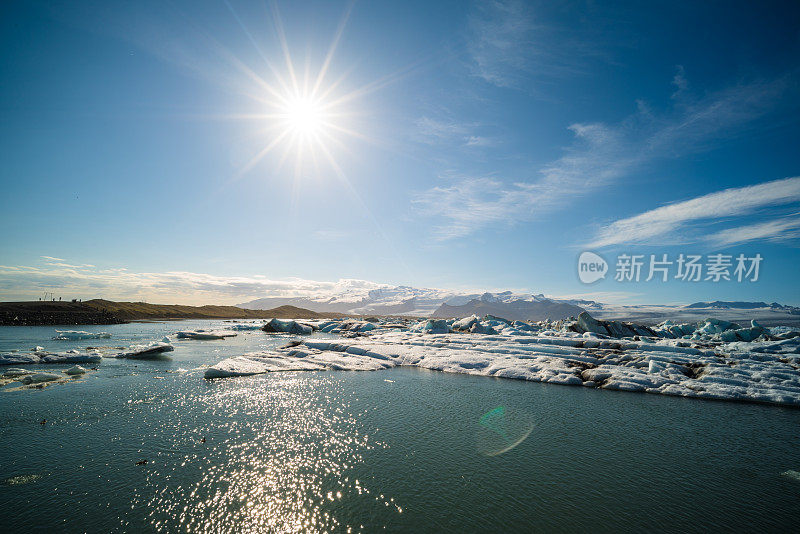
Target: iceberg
<point>203,334</point>
<point>152,351</point>
<point>761,371</point>
<point>312,359</point>
<point>16,358</point>
<point>71,356</point>
<point>432,326</point>
<point>287,327</point>
<point>75,371</point>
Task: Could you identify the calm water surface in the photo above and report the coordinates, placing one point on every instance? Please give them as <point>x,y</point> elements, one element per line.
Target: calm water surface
<point>405,449</point>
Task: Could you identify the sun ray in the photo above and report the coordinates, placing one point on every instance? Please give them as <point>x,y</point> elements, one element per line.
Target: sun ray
<point>332,49</point>
<point>277,22</point>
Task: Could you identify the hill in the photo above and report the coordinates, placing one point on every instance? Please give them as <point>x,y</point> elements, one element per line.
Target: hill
<point>99,311</point>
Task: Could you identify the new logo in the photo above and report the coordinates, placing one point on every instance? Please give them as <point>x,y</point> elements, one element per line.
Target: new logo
<point>591,267</point>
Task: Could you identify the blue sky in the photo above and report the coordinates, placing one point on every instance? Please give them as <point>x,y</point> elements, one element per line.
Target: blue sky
<point>465,146</point>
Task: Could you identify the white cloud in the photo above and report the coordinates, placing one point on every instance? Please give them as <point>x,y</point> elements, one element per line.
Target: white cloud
<point>600,155</point>
<point>668,219</point>
<point>775,230</point>
<point>86,281</point>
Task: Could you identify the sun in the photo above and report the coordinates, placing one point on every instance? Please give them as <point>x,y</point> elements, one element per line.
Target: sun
<point>304,116</point>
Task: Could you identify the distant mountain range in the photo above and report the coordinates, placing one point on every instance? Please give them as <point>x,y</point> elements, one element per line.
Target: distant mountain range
<point>737,305</point>
<point>420,302</point>
<point>523,310</point>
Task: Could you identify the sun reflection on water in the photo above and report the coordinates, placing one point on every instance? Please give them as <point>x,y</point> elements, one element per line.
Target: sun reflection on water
<point>278,456</point>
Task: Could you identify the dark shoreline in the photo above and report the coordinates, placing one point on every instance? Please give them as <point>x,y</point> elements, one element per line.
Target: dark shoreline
<point>104,312</point>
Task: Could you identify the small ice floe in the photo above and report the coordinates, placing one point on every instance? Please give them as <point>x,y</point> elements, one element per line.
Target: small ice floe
<point>16,358</point>
<point>245,326</point>
<point>152,351</point>
<point>203,334</point>
<point>73,335</point>
<point>294,360</point>
<point>76,370</point>
<point>15,372</point>
<point>71,356</point>
<point>38,378</point>
<point>792,474</point>
<point>287,327</point>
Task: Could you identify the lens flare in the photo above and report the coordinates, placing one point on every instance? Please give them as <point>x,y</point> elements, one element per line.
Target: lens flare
<point>501,429</point>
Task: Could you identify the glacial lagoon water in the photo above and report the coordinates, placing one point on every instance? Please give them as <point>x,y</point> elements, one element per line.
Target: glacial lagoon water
<point>405,450</point>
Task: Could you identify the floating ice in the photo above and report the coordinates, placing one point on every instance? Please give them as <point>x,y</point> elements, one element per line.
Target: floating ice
<point>38,378</point>
<point>287,327</point>
<point>73,335</point>
<point>761,371</point>
<point>70,356</point>
<point>16,358</point>
<point>203,334</point>
<point>151,351</point>
<point>75,371</point>
<point>245,326</point>
<point>14,372</point>
<point>432,326</point>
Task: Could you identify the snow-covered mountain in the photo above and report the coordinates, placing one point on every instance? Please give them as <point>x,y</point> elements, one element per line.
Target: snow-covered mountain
<point>367,298</point>
<point>537,308</point>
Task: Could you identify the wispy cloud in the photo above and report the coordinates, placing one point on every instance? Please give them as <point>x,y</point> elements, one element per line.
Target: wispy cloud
<point>508,48</point>
<point>600,155</point>
<point>667,220</point>
<point>782,229</point>
<point>469,204</point>
<point>501,41</point>
<point>446,131</point>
